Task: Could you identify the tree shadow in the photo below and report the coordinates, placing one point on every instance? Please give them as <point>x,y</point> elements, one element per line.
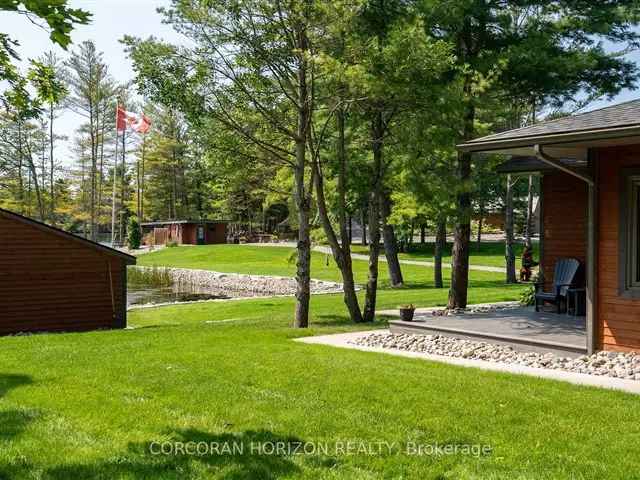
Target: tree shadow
<point>10,381</point>
<point>13,422</point>
<point>248,455</point>
<point>336,320</point>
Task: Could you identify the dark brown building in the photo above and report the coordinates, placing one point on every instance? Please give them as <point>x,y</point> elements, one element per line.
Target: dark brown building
<point>51,280</point>
<point>590,168</point>
<point>185,232</point>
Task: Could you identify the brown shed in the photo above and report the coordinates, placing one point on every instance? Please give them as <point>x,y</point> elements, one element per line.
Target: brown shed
<point>185,232</point>
<point>51,280</point>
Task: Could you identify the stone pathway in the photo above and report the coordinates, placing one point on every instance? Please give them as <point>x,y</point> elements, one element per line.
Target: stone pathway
<point>603,361</point>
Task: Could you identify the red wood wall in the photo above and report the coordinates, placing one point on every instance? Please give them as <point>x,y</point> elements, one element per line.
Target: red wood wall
<point>564,220</point>
<point>618,317</point>
<point>49,282</point>
<point>216,233</point>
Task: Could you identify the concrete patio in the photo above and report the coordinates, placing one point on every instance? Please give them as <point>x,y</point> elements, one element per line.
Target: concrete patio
<point>522,328</point>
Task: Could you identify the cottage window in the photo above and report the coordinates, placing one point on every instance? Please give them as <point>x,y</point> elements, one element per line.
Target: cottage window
<point>632,252</point>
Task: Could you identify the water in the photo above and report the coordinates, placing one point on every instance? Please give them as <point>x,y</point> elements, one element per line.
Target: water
<point>142,295</point>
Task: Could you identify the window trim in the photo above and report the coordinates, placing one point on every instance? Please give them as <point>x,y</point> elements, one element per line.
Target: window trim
<point>628,234</point>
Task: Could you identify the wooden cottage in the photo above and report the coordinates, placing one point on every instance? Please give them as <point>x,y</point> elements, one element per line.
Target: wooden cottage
<point>590,204</point>
<point>51,280</point>
<point>185,232</point>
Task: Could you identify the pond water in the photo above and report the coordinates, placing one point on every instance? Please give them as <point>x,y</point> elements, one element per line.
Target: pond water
<point>142,295</point>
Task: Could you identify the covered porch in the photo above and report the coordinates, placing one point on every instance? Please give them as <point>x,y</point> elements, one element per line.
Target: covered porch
<point>521,328</point>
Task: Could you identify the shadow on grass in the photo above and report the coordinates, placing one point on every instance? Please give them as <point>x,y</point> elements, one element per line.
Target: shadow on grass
<point>428,285</point>
<point>249,456</point>
<point>13,422</point>
<point>335,320</point>
<point>10,381</point>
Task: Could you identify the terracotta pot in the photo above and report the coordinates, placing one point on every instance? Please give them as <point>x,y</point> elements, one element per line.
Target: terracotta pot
<point>406,314</point>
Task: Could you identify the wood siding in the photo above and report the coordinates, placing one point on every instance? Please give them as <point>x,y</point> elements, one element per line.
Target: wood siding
<point>618,317</point>
<point>49,282</point>
<point>564,221</point>
<point>216,233</point>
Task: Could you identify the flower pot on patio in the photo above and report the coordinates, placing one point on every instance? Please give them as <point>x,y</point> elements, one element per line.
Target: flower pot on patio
<point>406,313</point>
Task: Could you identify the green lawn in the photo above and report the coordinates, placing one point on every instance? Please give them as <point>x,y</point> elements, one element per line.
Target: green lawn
<point>85,406</point>
<point>489,254</point>
<point>485,286</point>
<point>95,405</point>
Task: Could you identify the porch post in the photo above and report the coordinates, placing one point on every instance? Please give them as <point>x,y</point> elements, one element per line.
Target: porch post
<point>592,258</point>
<point>541,232</point>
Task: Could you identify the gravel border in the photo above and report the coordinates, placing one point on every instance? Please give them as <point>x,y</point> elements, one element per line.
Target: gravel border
<point>610,364</point>
<point>347,340</point>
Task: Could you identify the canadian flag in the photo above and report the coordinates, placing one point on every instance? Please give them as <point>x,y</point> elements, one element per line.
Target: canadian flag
<point>138,123</point>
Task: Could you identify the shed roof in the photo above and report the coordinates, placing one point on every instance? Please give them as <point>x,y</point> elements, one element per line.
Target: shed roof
<point>602,126</point>
<point>129,259</point>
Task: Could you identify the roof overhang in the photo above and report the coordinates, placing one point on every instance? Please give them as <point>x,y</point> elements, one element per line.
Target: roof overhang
<point>573,145</point>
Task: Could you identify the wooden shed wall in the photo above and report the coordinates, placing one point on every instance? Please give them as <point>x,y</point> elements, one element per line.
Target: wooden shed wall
<point>216,233</point>
<point>564,220</point>
<point>618,317</point>
<point>49,282</point>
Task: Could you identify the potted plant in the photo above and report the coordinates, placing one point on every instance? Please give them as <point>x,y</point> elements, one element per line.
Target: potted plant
<point>406,312</point>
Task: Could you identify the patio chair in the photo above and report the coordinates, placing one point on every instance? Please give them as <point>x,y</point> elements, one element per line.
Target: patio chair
<point>564,277</point>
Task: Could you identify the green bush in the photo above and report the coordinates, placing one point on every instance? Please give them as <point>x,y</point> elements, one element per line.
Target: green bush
<point>318,237</point>
<point>528,296</point>
<point>134,236</point>
<point>172,243</point>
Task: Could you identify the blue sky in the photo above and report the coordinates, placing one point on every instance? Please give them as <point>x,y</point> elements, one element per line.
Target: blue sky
<point>112,19</point>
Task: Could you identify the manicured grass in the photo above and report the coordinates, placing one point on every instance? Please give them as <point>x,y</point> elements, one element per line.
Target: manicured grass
<point>89,406</point>
<point>93,405</point>
<point>489,254</point>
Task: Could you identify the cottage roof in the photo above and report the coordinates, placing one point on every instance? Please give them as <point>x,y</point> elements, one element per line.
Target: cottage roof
<point>129,259</point>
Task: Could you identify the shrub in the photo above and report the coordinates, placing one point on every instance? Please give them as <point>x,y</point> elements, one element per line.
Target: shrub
<point>528,296</point>
<point>172,243</point>
<point>134,236</point>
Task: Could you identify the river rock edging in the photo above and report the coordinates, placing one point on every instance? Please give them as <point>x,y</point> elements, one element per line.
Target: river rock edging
<point>249,285</point>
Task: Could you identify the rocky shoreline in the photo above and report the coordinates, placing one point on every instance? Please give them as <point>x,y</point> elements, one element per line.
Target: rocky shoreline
<point>611,364</point>
<point>243,285</point>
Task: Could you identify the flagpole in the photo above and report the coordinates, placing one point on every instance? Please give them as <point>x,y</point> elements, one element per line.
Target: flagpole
<point>113,197</point>
<point>141,182</point>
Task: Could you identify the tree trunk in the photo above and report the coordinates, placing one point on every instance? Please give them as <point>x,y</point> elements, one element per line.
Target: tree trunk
<point>390,243</point>
<point>303,265</point>
<point>423,233</point>
<point>527,228</point>
<point>441,243</point>
<point>462,234</point>
<point>52,192</point>
<point>302,198</point>
<point>363,220</point>
<point>374,220</point>
<point>341,253</point>
<point>508,226</point>
<point>480,223</point>
<point>34,174</point>
<point>20,167</point>
<point>101,168</point>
